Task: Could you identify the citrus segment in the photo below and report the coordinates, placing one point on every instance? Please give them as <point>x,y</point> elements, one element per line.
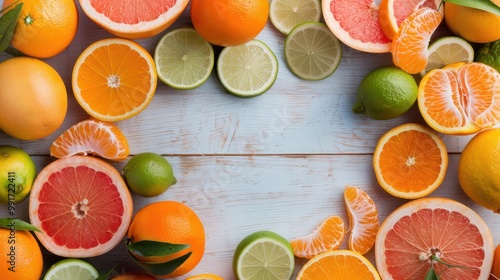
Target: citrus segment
<point>448,50</point>
<point>75,269</point>
<point>81,205</point>
<point>184,60</point>
<point>134,19</point>
<point>94,137</point>
<point>423,229</point>
<point>312,52</point>
<point>286,14</point>
<point>409,47</point>
<point>327,236</point>
<point>356,24</point>
<point>338,264</point>
<point>363,219</point>
<point>410,161</point>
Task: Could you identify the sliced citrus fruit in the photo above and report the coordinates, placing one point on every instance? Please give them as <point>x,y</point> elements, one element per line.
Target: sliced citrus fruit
<point>247,70</point>
<point>134,19</point>
<point>363,219</point>
<point>286,14</point>
<point>75,269</point>
<point>410,45</point>
<point>184,60</point>
<point>410,161</point>
<point>94,137</point>
<point>114,79</point>
<point>205,276</point>
<point>327,236</point>
<point>448,50</point>
<point>81,205</point>
<point>263,255</point>
<point>356,24</point>
<point>416,234</point>
<point>312,52</point>
<point>393,12</point>
<point>338,264</point>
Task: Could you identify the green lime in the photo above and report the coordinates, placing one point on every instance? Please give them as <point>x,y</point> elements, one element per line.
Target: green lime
<point>286,14</point>
<point>148,174</point>
<point>264,255</point>
<point>17,173</point>
<point>312,52</point>
<point>247,70</point>
<point>489,54</point>
<point>74,269</point>
<point>385,93</point>
<point>184,60</point>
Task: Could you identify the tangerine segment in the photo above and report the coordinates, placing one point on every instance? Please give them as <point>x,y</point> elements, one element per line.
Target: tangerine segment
<point>114,79</point>
<point>439,227</point>
<point>363,219</point>
<point>91,136</point>
<point>410,161</point>
<point>82,206</point>
<point>338,264</point>
<point>327,236</point>
<point>409,46</point>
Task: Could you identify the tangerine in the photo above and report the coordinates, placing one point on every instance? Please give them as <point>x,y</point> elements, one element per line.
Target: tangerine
<point>28,260</point>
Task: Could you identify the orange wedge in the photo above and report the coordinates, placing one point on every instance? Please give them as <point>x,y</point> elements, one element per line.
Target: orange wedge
<point>327,236</point>
<point>409,45</point>
<point>94,137</point>
<point>114,79</point>
<point>410,161</point>
<point>363,219</point>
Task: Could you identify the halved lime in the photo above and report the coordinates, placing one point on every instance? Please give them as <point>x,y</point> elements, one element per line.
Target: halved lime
<point>184,60</point>
<point>264,255</point>
<point>447,50</point>
<point>247,70</point>
<point>286,14</point>
<point>312,52</point>
<point>74,269</point>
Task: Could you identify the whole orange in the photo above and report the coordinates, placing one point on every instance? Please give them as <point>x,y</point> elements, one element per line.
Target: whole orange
<point>495,270</point>
<point>21,256</point>
<point>33,98</point>
<point>472,24</point>
<point>45,27</point>
<point>172,222</point>
<point>229,22</point>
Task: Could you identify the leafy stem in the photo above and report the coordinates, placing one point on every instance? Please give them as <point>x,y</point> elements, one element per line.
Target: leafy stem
<point>432,275</point>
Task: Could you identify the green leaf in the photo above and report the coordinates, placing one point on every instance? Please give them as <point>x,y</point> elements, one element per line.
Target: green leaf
<point>485,5</point>
<point>431,275</point>
<point>162,268</point>
<point>106,275</point>
<point>17,224</point>
<point>147,248</point>
<point>8,23</point>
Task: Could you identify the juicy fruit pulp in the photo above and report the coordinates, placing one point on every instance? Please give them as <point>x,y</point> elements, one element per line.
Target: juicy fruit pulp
<point>18,171</point>
<point>75,269</point>
<point>287,14</point>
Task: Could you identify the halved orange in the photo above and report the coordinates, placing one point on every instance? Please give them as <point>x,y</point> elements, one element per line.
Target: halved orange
<point>327,236</point>
<point>409,45</point>
<point>363,219</point>
<point>338,264</point>
<point>410,161</point>
<point>114,79</point>
<point>94,137</point>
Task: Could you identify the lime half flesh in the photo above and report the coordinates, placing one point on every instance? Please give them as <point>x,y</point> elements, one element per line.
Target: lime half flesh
<point>74,269</point>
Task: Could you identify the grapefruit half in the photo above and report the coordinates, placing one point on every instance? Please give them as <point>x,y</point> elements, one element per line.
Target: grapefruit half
<point>418,230</point>
<point>356,24</point>
<point>82,206</point>
<point>134,19</point>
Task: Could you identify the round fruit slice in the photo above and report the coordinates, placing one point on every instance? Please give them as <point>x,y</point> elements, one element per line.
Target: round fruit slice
<point>447,50</point>
<point>81,205</point>
<point>312,52</point>
<point>184,60</point>
<point>205,276</point>
<point>429,232</point>
<point>247,70</point>
<point>263,255</point>
<point>114,79</point>
<point>74,269</point>
<point>338,264</point>
<point>134,19</point>
<point>356,24</point>
<point>410,161</point>
<point>286,14</point>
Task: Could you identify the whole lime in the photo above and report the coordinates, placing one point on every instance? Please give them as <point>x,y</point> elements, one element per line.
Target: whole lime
<point>148,174</point>
<point>17,173</point>
<point>385,93</point>
<point>489,54</point>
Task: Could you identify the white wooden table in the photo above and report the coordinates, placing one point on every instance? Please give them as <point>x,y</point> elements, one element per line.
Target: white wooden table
<point>277,162</point>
